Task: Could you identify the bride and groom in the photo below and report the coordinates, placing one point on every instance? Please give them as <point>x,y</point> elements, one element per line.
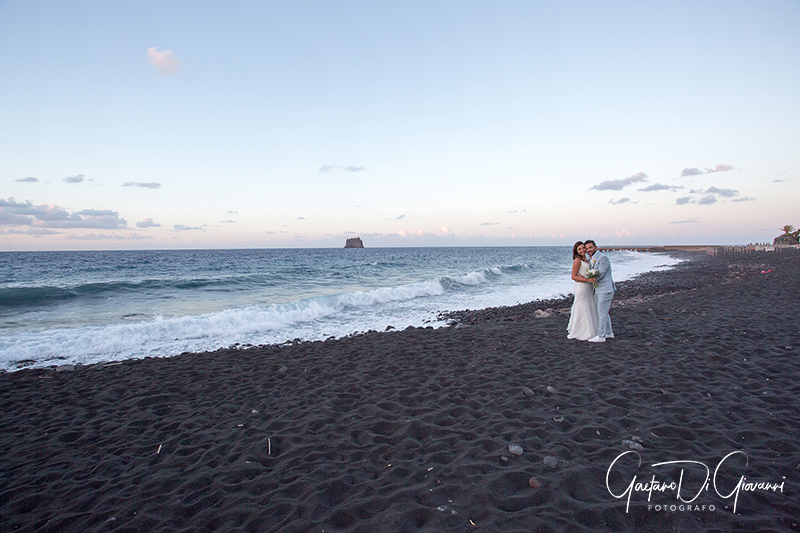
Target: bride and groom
<point>588,319</point>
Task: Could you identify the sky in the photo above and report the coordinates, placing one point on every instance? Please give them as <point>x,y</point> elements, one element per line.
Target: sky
<point>290,124</point>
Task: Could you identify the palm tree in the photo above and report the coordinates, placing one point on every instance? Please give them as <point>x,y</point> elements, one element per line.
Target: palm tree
<point>787,229</point>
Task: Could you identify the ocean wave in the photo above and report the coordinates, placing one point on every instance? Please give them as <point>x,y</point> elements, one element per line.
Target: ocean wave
<point>44,295</point>
<point>472,279</point>
<point>16,296</point>
<point>166,336</point>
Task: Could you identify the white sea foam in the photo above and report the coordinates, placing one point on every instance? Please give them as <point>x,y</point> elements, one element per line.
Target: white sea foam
<point>473,278</point>
<point>170,336</point>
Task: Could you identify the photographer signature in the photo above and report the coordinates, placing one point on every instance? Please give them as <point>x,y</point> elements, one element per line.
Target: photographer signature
<point>687,491</point>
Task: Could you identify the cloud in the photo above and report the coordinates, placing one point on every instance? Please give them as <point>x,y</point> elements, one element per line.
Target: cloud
<point>660,187</point>
<point>232,212</point>
<point>684,200</point>
<point>227,222</point>
<point>618,185</point>
<point>97,212</point>
<point>29,179</point>
<point>147,223</point>
<point>726,193</point>
<point>102,237</point>
<point>301,218</point>
<point>697,172</point>
<point>74,179</point>
<point>744,199</point>
<point>25,207</point>
<point>711,194</point>
<point>444,232</point>
<point>165,62</point>
<point>719,168</point>
<point>88,218</point>
<point>149,185</point>
<point>690,221</point>
<point>623,233</point>
<point>52,216</point>
<point>620,201</point>
<point>707,200</point>
<point>13,213</point>
<point>490,224</point>
<point>333,169</point>
<point>181,227</point>
<point>36,232</point>
<point>773,181</point>
<point>401,217</point>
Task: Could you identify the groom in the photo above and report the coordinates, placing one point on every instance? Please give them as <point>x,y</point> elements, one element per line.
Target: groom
<point>604,292</point>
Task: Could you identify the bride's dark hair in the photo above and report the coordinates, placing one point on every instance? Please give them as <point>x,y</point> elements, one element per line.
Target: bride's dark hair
<point>575,254</point>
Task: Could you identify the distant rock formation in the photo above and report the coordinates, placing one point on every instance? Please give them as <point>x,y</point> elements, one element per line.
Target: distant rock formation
<point>355,242</point>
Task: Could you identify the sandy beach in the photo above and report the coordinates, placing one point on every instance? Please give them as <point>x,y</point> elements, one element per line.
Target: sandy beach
<point>495,423</point>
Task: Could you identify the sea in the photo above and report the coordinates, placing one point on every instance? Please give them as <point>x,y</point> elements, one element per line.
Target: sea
<point>83,307</point>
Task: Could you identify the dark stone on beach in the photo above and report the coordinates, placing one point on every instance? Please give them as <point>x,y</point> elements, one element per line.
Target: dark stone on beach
<point>554,462</point>
<point>528,392</point>
<point>355,242</point>
<point>534,483</point>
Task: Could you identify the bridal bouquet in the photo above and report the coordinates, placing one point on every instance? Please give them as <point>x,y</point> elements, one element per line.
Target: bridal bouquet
<point>593,274</point>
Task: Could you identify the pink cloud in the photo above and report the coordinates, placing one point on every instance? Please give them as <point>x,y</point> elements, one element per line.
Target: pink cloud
<point>165,62</point>
<point>720,168</point>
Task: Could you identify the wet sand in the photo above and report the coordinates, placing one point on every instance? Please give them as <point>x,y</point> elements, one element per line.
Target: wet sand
<point>411,430</point>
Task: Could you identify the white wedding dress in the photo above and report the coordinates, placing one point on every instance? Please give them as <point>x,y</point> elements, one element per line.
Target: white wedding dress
<point>583,322</point>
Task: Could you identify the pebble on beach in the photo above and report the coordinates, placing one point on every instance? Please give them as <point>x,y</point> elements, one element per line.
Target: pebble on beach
<point>554,462</point>
<point>633,445</point>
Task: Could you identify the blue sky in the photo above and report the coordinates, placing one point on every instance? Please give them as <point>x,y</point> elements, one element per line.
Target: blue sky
<point>300,124</point>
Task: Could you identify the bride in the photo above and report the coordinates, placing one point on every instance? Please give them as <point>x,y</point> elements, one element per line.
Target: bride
<point>583,323</point>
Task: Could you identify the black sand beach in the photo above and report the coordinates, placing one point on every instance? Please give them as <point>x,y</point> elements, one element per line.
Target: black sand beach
<point>410,430</point>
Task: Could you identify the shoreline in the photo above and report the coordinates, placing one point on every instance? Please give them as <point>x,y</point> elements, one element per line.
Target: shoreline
<point>108,335</point>
<point>411,430</point>
<point>696,268</point>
